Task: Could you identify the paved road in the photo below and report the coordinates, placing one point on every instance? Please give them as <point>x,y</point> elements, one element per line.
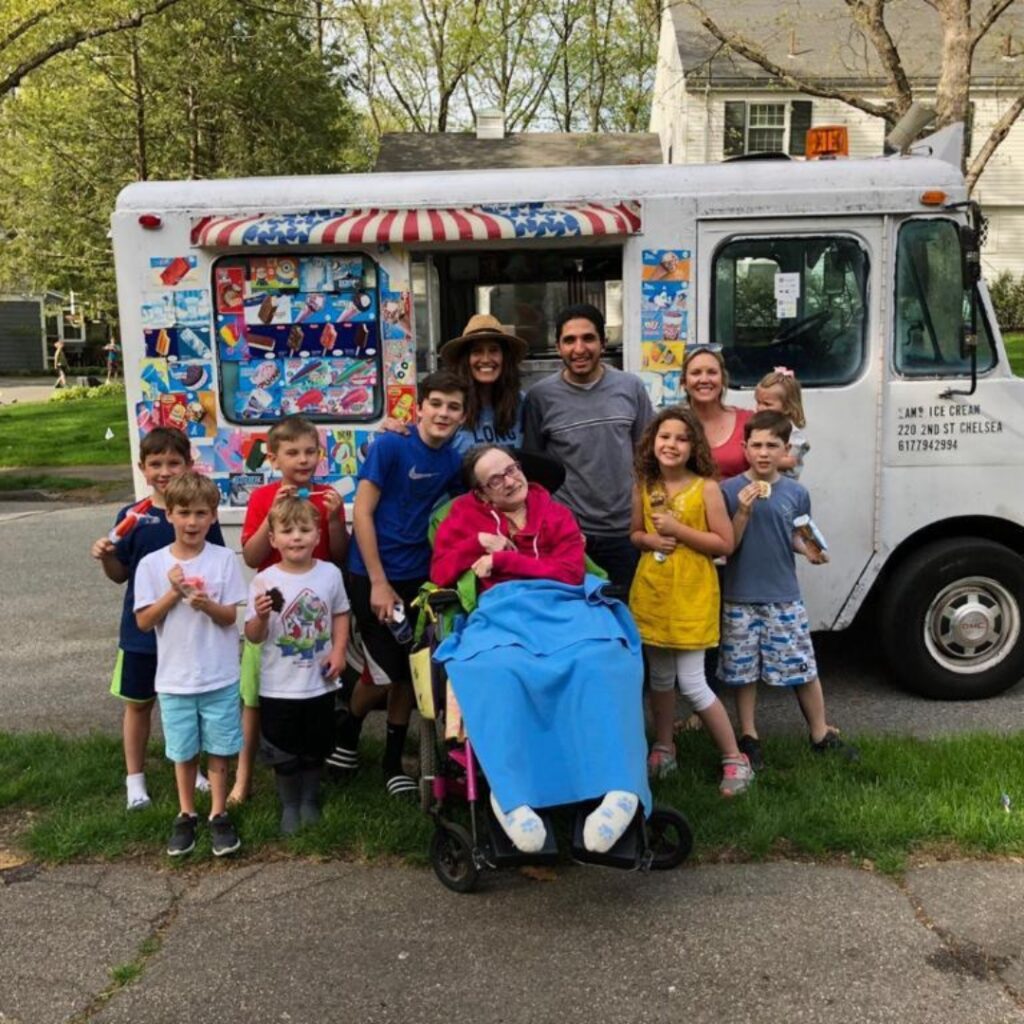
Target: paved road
<point>59,631</point>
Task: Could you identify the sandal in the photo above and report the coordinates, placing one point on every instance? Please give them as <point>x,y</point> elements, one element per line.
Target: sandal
<point>661,762</point>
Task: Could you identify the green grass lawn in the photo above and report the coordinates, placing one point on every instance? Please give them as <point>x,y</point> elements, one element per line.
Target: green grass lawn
<point>1015,352</point>
<point>64,433</point>
<point>905,797</point>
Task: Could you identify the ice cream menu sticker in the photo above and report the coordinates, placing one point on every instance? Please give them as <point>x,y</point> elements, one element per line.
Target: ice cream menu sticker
<point>664,290</point>
<point>298,334</point>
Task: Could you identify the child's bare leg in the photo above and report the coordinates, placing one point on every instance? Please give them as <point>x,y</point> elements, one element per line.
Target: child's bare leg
<point>746,707</point>
<point>185,779</point>
<point>247,756</point>
<point>217,770</point>
<point>812,706</point>
<point>663,711</point>
<point>716,721</point>
<point>135,732</point>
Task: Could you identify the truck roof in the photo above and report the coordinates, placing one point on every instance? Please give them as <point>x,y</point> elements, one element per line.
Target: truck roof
<point>738,188</point>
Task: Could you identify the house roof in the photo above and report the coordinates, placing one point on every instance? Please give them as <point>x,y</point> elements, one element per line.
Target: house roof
<point>454,151</point>
<point>818,40</point>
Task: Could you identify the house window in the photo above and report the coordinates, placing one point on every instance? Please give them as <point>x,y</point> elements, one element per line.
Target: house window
<point>766,127</point>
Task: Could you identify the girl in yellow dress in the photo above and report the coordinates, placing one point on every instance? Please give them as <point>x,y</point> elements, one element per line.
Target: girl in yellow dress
<point>680,524</point>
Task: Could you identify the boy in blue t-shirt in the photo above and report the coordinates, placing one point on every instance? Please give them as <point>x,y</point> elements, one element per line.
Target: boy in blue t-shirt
<point>163,455</point>
<point>765,631</point>
<point>401,481</point>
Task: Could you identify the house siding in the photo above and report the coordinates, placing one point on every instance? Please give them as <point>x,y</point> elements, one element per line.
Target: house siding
<point>21,336</point>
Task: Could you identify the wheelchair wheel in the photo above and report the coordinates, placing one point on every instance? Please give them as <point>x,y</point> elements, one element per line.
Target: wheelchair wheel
<point>451,855</point>
<point>428,763</point>
<point>669,838</point>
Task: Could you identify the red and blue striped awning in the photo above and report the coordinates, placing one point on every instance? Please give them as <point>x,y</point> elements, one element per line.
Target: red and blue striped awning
<point>448,224</point>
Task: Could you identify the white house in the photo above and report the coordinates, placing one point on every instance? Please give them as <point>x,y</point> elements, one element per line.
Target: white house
<point>711,103</point>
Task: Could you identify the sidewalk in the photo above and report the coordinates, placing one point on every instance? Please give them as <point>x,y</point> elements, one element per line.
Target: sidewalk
<point>304,942</point>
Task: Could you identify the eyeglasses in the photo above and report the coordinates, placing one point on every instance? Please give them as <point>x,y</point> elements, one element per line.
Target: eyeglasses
<point>496,480</point>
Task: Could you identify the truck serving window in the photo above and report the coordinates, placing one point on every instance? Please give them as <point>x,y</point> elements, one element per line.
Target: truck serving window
<point>298,334</point>
<point>930,304</point>
<point>799,302</point>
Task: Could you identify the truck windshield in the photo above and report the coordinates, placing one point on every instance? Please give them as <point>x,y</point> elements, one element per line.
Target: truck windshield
<point>930,304</point>
<point>799,302</point>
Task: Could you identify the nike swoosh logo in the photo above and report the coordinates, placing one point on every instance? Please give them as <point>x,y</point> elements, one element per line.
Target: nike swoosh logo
<point>414,475</point>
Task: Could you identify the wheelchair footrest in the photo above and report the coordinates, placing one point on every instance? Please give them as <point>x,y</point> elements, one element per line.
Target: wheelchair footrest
<point>627,853</point>
<point>504,850</point>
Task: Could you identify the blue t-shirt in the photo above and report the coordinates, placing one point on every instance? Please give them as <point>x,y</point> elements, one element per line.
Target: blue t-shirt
<point>412,478</point>
<point>143,540</point>
<point>485,432</point>
<point>762,570</point>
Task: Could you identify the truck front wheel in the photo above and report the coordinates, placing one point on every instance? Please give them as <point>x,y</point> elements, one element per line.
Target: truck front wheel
<point>951,620</point>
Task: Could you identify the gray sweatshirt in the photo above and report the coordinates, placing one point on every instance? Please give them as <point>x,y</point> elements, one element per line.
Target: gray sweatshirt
<point>593,433</point>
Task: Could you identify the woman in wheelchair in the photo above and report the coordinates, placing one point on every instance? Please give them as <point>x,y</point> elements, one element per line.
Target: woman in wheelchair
<point>547,670</point>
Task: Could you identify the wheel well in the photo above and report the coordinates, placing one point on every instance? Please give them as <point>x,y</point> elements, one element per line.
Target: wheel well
<point>1001,531</point>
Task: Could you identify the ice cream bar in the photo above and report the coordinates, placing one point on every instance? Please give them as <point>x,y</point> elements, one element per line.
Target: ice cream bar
<point>306,369</point>
<point>229,336</point>
<point>135,516</point>
<point>295,338</point>
<point>174,271</point>
<point>314,303</point>
<point>813,538</point>
<point>313,399</point>
<point>328,337</point>
<point>260,342</point>
<point>163,343</point>
<point>268,307</point>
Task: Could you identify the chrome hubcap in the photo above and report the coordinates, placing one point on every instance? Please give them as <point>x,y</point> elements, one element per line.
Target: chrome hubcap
<point>972,625</point>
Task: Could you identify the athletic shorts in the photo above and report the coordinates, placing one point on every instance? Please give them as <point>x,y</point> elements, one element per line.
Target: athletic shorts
<point>134,677</point>
<point>766,641</point>
<point>297,728</point>
<point>386,659</point>
<point>195,722</point>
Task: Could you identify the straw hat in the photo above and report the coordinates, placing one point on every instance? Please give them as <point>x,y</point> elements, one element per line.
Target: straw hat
<point>483,327</point>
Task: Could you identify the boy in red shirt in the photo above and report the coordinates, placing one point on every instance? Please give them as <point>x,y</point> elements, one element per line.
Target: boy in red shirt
<point>293,448</point>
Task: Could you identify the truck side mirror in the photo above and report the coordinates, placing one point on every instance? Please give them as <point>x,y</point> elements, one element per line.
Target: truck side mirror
<point>970,257</point>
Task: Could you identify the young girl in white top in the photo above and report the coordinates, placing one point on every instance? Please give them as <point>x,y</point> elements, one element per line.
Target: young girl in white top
<point>779,391</point>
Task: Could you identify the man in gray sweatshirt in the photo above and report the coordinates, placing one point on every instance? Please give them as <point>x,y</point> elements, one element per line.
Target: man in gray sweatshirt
<point>590,417</point>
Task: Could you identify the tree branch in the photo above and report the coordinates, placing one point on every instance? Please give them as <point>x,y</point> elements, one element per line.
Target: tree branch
<point>69,42</point>
<point>999,132</point>
<point>870,16</point>
<point>30,22</point>
<point>988,19</point>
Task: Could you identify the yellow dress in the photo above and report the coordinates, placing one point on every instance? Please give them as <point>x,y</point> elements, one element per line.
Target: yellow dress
<point>675,602</point>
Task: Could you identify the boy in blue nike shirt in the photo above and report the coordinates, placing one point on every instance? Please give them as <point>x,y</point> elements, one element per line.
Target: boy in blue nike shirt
<point>403,478</point>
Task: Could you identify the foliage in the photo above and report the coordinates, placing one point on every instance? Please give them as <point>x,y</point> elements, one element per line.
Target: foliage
<point>1007,294</point>
<point>64,433</point>
<point>78,392</point>
<point>225,89</point>
<point>1015,352</point>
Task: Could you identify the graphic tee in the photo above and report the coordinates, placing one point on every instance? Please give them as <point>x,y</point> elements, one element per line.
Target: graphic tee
<point>299,636</point>
<point>194,654</point>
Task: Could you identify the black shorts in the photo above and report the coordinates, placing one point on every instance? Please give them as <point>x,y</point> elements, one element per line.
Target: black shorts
<point>134,677</point>
<point>387,660</point>
<point>297,728</point>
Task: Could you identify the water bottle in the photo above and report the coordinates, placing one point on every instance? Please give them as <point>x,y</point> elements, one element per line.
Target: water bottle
<point>399,624</point>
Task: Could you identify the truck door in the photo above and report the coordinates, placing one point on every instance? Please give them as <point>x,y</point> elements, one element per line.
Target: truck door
<point>806,295</point>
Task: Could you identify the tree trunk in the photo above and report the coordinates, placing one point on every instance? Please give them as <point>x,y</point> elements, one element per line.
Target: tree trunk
<point>139,102</point>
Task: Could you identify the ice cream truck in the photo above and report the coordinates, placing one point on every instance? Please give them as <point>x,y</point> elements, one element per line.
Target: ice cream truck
<point>242,301</point>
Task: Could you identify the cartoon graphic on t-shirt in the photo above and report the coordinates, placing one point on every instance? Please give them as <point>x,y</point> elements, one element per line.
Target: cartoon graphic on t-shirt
<point>305,627</point>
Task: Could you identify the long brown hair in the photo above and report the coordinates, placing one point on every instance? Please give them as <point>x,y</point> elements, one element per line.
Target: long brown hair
<point>648,472</point>
<point>504,391</point>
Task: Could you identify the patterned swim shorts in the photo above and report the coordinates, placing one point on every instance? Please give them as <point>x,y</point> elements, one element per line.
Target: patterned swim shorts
<point>766,641</point>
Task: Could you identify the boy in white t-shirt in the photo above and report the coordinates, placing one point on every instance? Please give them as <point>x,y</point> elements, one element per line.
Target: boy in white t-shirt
<point>298,610</point>
<point>187,592</point>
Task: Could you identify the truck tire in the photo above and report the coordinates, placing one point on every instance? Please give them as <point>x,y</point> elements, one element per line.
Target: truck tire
<point>951,620</point>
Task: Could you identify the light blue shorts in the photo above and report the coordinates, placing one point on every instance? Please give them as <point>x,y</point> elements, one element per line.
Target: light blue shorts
<point>194,722</point>
<point>766,641</point>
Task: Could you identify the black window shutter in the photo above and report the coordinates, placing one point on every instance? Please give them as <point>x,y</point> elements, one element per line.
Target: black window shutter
<point>799,124</point>
<point>968,129</point>
<point>735,128</point>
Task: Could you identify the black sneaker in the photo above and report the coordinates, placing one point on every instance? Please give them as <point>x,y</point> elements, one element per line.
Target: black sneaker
<point>223,837</point>
<point>751,746</point>
<point>183,835</point>
<point>830,743</point>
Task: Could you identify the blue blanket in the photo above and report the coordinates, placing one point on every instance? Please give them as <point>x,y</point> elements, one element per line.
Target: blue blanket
<point>549,677</point>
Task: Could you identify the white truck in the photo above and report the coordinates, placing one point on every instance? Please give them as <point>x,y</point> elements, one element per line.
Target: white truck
<point>243,300</point>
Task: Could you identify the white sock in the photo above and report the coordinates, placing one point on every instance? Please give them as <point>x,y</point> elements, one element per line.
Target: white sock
<point>605,825</point>
<point>202,782</point>
<point>523,826</point>
<point>136,786</point>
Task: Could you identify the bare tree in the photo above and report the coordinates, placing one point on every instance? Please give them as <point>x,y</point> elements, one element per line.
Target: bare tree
<point>961,30</point>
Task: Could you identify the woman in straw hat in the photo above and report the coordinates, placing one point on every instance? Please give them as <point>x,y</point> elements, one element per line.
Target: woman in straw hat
<point>488,356</point>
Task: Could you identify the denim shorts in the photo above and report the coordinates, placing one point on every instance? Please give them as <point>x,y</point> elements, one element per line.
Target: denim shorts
<point>195,722</point>
<point>766,641</point>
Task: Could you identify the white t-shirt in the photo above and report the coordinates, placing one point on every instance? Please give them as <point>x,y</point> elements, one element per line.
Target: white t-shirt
<point>194,654</point>
<point>299,636</point>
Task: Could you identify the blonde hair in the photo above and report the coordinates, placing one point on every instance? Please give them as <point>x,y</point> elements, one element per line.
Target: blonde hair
<point>192,489</point>
<point>792,400</point>
<point>291,511</point>
<point>291,428</point>
<point>718,358</point>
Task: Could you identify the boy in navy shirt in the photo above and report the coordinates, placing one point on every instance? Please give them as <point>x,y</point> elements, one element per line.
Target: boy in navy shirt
<point>403,478</point>
<point>164,454</point>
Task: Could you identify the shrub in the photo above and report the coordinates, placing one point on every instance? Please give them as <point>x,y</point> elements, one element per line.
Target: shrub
<point>76,394</point>
<point>1008,299</point>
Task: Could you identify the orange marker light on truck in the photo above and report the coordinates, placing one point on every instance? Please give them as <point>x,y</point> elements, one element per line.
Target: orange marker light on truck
<point>827,140</point>
<point>933,197</point>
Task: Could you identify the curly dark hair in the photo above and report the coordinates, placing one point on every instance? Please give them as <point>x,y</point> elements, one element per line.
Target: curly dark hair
<point>504,391</point>
<point>648,472</point>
